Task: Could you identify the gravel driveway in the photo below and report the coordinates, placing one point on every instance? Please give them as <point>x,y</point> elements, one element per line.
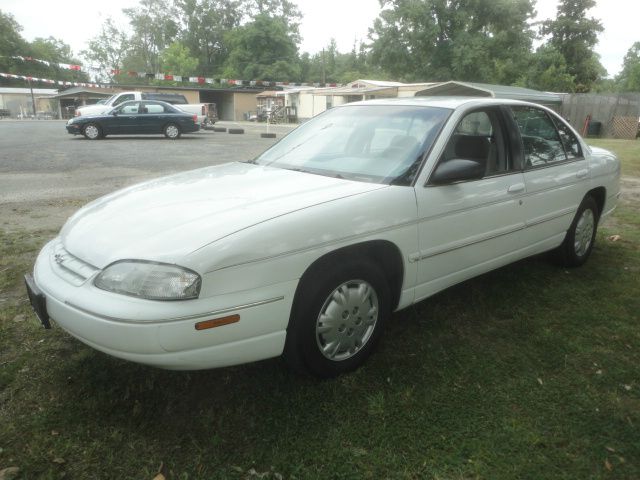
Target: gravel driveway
<point>46,174</point>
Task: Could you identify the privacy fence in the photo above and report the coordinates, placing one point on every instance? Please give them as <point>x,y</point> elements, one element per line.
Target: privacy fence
<point>611,116</point>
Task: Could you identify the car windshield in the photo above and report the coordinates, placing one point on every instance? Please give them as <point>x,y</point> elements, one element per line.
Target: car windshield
<point>369,143</point>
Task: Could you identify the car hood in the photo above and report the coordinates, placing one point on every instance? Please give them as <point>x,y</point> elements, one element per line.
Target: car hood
<point>93,110</point>
<point>168,218</point>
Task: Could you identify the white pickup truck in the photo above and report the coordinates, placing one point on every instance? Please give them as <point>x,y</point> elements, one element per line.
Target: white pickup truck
<point>206,112</point>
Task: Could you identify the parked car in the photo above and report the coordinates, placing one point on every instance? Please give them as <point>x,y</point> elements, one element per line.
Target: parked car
<point>207,112</point>
<point>136,118</point>
<point>308,249</point>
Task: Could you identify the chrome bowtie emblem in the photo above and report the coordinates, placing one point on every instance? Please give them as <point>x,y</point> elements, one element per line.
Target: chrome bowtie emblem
<point>58,258</point>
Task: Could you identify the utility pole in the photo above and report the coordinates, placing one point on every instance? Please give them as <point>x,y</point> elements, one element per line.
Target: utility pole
<point>33,99</point>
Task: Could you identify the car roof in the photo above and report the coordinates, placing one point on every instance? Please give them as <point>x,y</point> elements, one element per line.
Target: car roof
<point>146,100</point>
<point>441,102</point>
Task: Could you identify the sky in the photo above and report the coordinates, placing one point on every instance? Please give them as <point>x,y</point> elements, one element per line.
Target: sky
<point>345,21</point>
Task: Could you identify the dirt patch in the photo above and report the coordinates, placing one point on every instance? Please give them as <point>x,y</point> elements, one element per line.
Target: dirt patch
<point>630,189</point>
<point>39,214</point>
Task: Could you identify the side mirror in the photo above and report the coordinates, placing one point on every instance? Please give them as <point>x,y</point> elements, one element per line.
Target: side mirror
<point>114,112</point>
<point>457,170</point>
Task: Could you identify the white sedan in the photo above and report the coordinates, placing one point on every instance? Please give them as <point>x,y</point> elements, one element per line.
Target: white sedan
<point>308,249</point>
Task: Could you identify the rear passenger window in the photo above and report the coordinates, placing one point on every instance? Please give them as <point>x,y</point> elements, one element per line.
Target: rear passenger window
<point>540,139</point>
<point>155,108</point>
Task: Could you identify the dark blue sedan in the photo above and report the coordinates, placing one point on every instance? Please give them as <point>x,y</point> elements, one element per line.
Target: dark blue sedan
<point>136,117</point>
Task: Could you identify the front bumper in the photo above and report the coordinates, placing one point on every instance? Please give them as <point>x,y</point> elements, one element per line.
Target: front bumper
<point>163,334</point>
<point>74,128</point>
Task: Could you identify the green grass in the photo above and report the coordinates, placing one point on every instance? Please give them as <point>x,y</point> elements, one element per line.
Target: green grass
<point>528,372</point>
<point>627,150</point>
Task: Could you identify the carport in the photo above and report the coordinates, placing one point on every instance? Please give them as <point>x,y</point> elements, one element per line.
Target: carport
<point>232,104</point>
<point>466,89</point>
<point>75,97</point>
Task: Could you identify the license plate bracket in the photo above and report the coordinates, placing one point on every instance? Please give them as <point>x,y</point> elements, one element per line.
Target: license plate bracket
<point>38,301</point>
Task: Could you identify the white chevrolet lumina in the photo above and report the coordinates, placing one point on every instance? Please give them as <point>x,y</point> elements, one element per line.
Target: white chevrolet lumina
<point>307,250</point>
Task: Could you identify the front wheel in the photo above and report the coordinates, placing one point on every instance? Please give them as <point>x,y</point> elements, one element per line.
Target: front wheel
<point>578,243</point>
<point>92,131</point>
<point>337,319</point>
<point>172,131</point>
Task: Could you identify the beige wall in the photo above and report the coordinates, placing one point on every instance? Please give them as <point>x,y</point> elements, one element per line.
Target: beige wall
<point>242,103</point>
<point>410,90</point>
<point>13,102</point>
<point>192,96</point>
<point>310,105</point>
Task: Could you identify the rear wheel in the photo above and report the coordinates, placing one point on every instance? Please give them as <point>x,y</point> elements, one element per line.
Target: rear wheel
<point>172,131</point>
<point>92,131</point>
<point>578,243</point>
<point>337,319</point>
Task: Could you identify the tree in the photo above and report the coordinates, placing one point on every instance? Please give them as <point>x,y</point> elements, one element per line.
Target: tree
<point>155,27</point>
<point>204,24</point>
<point>574,36</point>
<point>628,80</point>
<point>55,51</point>
<point>472,40</point>
<point>11,44</point>
<point>331,66</point>
<point>285,10</point>
<point>176,59</point>
<point>548,71</point>
<point>262,49</point>
<point>107,50</point>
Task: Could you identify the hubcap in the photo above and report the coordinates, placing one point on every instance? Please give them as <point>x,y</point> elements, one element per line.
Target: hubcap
<point>347,320</point>
<point>92,131</point>
<point>172,131</point>
<point>584,232</point>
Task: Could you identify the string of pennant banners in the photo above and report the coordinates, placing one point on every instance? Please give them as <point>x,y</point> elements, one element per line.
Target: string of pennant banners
<point>154,76</point>
<point>52,82</point>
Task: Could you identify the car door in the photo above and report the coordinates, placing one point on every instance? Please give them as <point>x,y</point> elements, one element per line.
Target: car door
<point>151,117</point>
<point>115,122</point>
<point>555,173</point>
<point>125,120</point>
<point>471,226</point>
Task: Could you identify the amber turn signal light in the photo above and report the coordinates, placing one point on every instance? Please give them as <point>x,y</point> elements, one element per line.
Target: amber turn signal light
<point>217,322</point>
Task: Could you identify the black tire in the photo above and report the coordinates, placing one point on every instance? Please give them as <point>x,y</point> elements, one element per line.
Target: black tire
<point>236,130</point>
<point>307,348</point>
<point>172,131</point>
<point>268,135</point>
<point>581,236</point>
<point>219,129</point>
<point>92,131</point>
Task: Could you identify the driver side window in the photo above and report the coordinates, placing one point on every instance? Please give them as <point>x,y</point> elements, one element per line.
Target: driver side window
<point>129,109</point>
<point>479,137</point>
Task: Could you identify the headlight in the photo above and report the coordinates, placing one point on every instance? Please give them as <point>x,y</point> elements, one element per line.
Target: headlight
<point>150,280</point>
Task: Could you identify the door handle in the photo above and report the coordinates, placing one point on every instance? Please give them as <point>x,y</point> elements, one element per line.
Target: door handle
<point>516,188</point>
<point>582,173</point>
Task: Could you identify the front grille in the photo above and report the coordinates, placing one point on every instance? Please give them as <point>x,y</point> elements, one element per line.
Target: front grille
<point>69,267</point>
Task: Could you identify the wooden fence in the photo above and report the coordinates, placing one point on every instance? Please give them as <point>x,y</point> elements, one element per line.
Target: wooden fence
<point>618,114</point>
